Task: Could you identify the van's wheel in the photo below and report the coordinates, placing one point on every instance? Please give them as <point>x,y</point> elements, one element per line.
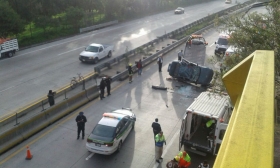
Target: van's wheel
<point>109,54</point>
<point>96,60</point>
<point>10,54</point>
<point>119,146</point>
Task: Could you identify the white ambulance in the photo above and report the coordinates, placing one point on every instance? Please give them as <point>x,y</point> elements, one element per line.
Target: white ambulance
<point>204,123</point>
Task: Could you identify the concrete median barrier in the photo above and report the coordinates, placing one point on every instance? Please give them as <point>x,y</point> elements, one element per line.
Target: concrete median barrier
<point>92,92</point>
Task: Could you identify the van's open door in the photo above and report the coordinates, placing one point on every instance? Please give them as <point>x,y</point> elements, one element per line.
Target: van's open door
<point>221,132</point>
<point>182,132</point>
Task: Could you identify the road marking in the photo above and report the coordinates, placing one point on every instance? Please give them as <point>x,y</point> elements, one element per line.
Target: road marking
<point>212,44</point>
<point>71,50</point>
<point>168,146</point>
<point>89,156</point>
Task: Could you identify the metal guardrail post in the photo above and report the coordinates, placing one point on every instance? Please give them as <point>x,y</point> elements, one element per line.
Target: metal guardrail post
<point>43,109</point>
<point>65,98</point>
<point>17,123</point>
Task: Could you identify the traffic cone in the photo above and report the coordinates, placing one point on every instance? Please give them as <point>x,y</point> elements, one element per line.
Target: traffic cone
<point>28,156</point>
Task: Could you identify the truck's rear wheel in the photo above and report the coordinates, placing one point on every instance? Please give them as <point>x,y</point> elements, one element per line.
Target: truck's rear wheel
<point>10,54</point>
<point>109,54</point>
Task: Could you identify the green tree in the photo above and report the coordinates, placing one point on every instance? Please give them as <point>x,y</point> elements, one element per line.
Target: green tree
<point>11,24</point>
<point>74,16</point>
<point>250,32</point>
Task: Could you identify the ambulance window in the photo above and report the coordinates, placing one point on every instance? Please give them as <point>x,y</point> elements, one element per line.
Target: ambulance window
<point>221,135</point>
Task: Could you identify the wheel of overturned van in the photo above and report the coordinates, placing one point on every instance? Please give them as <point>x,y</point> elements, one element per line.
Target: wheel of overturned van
<point>10,54</point>
<point>96,60</point>
<point>109,54</point>
<point>119,146</point>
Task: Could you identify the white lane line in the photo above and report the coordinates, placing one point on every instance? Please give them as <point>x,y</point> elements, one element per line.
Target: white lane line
<point>212,44</point>
<point>7,88</point>
<point>168,146</point>
<point>89,156</point>
<point>71,50</point>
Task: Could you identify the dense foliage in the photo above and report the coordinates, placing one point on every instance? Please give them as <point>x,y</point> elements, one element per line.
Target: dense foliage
<point>249,32</point>
<point>28,17</point>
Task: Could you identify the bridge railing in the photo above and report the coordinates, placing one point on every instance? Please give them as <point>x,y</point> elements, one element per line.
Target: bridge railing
<point>249,139</point>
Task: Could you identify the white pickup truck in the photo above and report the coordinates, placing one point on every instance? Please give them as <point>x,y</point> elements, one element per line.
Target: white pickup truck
<point>8,47</point>
<point>95,52</point>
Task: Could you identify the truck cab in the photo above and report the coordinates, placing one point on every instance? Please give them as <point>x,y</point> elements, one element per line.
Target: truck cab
<point>204,123</point>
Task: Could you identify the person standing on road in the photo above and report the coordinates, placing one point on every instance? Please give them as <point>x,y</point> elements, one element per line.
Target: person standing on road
<point>130,73</point>
<point>139,67</point>
<point>189,42</point>
<point>108,85</point>
<point>51,97</point>
<point>156,127</point>
<point>159,62</point>
<point>102,86</point>
<point>159,146</point>
<point>180,55</point>
<point>81,120</point>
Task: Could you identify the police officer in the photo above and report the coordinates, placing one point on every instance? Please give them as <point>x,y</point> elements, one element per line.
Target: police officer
<point>102,87</point>
<point>81,120</point>
<point>180,55</point>
<point>156,127</point>
<point>51,97</point>
<point>130,72</point>
<point>108,85</point>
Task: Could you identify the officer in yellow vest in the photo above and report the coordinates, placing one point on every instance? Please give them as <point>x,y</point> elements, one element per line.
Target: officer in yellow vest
<point>160,140</point>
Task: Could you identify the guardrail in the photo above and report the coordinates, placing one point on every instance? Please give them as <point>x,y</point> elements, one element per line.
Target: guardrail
<point>72,99</point>
<point>98,26</point>
<point>250,85</point>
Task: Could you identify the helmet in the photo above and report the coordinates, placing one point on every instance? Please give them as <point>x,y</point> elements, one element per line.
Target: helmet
<point>177,158</point>
<point>130,64</point>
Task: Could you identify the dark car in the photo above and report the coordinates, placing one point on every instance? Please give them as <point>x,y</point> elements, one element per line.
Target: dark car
<point>179,10</point>
<point>190,72</point>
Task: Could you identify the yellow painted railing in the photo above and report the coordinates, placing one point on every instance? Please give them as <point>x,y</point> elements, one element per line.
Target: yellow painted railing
<point>249,139</point>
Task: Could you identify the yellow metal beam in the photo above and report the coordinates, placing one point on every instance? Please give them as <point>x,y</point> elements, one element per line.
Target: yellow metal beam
<point>249,139</point>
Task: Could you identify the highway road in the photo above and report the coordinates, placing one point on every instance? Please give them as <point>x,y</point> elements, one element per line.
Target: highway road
<point>32,72</point>
<point>56,146</point>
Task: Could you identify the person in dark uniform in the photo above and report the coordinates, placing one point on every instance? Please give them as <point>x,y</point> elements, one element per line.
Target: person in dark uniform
<point>156,127</point>
<point>108,85</point>
<point>102,87</point>
<point>51,97</point>
<point>130,73</point>
<point>81,120</point>
<point>159,62</point>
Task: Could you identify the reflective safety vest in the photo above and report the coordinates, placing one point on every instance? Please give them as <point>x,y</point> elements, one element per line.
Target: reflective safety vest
<point>209,123</point>
<point>187,158</point>
<point>159,140</point>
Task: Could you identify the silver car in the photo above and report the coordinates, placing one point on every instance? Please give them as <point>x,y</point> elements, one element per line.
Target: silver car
<point>179,10</point>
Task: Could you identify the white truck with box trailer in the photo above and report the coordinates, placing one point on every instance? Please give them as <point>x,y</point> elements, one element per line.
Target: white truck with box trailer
<point>8,47</point>
<point>204,123</point>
